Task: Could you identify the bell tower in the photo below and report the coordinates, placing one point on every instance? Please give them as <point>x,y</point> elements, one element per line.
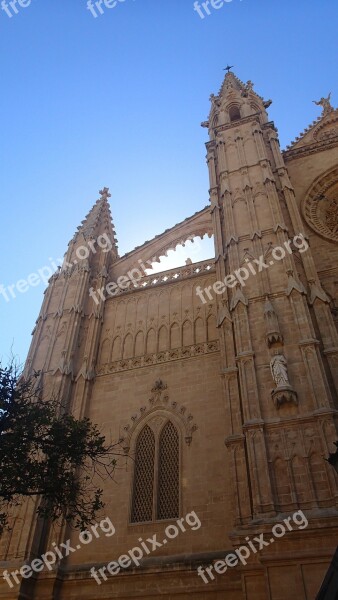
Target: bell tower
<point>278,339</point>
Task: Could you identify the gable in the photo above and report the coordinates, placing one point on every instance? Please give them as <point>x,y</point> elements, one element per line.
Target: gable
<point>322,130</point>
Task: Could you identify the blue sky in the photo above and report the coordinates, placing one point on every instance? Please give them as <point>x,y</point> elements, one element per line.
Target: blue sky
<point>118,100</point>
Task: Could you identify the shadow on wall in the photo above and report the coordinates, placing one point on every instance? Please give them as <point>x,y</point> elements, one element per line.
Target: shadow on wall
<point>329,589</point>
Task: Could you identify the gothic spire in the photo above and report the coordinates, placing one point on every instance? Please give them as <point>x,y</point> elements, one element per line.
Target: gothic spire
<point>98,221</point>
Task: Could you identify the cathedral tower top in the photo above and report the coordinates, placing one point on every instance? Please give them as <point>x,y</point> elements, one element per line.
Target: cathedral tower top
<point>235,101</point>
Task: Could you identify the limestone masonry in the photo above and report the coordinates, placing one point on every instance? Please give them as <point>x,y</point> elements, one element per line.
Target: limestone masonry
<point>227,408</point>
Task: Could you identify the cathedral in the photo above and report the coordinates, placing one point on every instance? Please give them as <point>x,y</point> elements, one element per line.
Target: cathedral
<point>218,379</point>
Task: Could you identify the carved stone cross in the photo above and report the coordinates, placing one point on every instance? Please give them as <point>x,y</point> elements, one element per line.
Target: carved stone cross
<point>105,193</point>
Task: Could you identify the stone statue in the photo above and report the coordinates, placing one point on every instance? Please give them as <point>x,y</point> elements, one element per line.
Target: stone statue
<point>279,370</point>
<point>325,103</point>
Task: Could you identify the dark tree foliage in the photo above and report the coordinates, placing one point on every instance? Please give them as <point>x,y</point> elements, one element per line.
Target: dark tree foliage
<point>48,453</point>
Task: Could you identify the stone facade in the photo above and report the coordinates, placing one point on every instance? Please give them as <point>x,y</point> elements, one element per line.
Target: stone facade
<point>247,378</point>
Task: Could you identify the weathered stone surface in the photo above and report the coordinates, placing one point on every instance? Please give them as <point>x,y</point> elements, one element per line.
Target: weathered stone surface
<point>156,353</point>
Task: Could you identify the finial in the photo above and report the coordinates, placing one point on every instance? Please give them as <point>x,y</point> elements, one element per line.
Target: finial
<point>105,194</point>
<point>248,87</point>
<point>228,68</point>
<point>325,103</point>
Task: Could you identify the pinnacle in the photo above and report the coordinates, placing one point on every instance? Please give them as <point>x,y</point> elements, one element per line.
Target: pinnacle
<point>232,83</point>
<point>98,220</point>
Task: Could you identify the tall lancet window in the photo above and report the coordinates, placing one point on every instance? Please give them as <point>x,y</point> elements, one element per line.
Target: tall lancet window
<point>168,473</point>
<point>144,477</point>
<point>156,486</point>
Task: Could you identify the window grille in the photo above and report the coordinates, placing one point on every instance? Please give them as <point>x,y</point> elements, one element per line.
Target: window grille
<point>156,486</point>
<point>144,477</point>
<point>168,473</point>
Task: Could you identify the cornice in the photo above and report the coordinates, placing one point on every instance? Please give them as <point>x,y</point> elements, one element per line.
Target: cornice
<point>235,124</point>
<point>194,351</point>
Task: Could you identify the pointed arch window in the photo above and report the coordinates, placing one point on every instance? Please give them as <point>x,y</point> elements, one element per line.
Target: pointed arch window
<point>156,485</point>
<point>168,473</point>
<point>144,476</point>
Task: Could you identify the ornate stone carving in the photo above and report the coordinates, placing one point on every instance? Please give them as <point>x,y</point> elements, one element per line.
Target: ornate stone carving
<point>223,313</point>
<point>325,104</point>
<point>170,276</point>
<point>156,423</point>
<point>87,372</point>
<point>248,87</point>
<point>158,402</point>
<point>160,357</point>
<point>332,216</point>
<point>278,366</point>
<point>320,205</point>
<point>238,297</point>
<point>317,292</point>
<point>294,284</point>
<point>105,194</point>
<point>65,365</point>
<point>158,387</point>
<point>327,134</point>
<point>273,334</point>
<point>283,393</point>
